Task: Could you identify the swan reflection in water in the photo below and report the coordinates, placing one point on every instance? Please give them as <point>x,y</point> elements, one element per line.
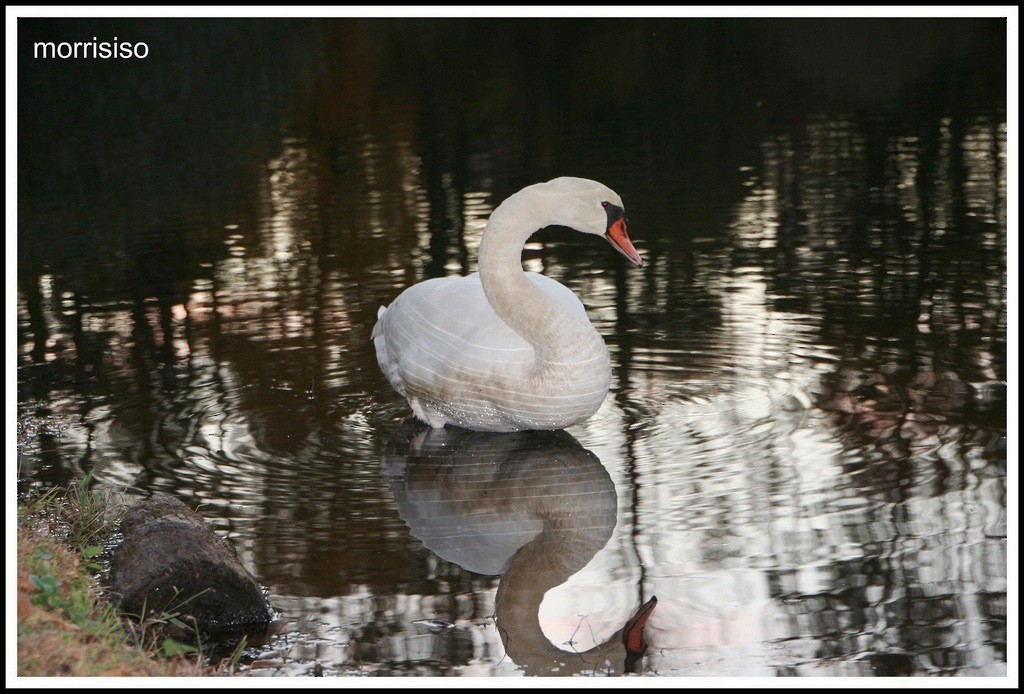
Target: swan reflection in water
<point>534,507</point>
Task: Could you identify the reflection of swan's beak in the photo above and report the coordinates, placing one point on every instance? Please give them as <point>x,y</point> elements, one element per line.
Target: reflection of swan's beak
<point>633,634</point>
<point>619,237</point>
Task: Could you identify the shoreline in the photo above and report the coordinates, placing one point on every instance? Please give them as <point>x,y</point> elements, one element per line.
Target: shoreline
<point>67,624</point>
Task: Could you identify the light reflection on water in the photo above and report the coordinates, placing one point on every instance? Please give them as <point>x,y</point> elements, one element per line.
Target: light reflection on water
<point>802,457</point>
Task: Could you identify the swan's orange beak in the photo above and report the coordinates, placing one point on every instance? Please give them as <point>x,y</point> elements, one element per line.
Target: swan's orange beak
<point>618,235</point>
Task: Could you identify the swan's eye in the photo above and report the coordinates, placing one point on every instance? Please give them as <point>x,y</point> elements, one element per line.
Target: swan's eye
<point>604,204</point>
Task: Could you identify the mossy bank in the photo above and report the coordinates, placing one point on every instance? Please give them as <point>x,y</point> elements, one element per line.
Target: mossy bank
<point>66,625</point>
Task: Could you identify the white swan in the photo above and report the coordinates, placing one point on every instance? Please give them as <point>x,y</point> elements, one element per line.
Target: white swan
<point>504,350</point>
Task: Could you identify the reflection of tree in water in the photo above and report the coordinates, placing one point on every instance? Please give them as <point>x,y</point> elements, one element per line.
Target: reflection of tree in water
<point>906,275</point>
<point>905,602</point>
<point>891,248</point>
<point>881,236</point>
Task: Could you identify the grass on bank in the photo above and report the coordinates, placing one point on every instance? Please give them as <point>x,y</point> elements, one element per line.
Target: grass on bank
<point>65,625</point>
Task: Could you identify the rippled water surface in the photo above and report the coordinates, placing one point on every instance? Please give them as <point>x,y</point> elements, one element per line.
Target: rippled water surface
<point>803,455</point>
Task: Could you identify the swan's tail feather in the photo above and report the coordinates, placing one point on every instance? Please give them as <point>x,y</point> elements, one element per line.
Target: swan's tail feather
<point>376,327</point>
<point>380,343</point>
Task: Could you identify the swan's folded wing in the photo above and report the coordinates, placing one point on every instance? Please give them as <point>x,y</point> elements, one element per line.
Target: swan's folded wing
<point>447,324</point>
<point>445,329</point>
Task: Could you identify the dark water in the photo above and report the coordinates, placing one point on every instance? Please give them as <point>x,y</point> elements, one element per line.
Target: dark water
<point>803,455</point>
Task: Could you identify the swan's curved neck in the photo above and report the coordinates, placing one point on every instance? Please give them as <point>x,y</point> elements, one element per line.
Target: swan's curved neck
<point>551,329</point>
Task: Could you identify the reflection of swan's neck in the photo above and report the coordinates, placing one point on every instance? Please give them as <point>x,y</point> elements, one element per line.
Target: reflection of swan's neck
<point>534,506</point>
<point>558,335</point>
<point>564,547</point>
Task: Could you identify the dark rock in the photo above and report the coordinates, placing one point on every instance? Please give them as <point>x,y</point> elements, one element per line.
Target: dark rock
<point>172,560</point>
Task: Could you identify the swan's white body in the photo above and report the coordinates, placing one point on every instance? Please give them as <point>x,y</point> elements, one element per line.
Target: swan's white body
<point>503,350</point>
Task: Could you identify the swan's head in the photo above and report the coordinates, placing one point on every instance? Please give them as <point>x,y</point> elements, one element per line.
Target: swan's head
<point>593,208</point>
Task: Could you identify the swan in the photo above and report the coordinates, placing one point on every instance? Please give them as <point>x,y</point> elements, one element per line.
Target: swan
<point>505,350</point>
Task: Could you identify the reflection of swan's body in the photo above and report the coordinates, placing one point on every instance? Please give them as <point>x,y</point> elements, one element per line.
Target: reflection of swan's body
<point>533,506</point>
<point>503,350</point>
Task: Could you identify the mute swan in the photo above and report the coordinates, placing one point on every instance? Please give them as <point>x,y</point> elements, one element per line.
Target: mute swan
<point>505,350</point>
